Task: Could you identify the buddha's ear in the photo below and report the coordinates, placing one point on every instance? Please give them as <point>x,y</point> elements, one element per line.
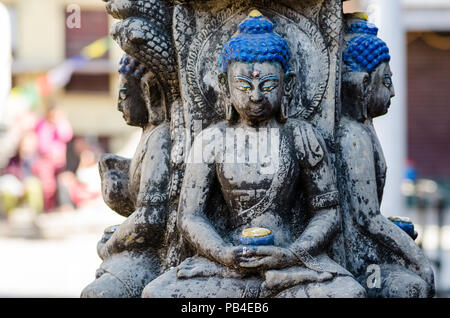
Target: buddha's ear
<point>223,84</point>
<point>355,87</point>
<point>356,82</point>
<point>154,99</point>
<point>225,98</point>
<point>145,90</point>
<point>365,81</point>
<point>288,87</point>
<point>289,82</point>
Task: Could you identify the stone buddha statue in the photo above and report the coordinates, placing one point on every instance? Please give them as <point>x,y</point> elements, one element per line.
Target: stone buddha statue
<point>370,238</point>
<point>275,176</point>
<point>136,189</point>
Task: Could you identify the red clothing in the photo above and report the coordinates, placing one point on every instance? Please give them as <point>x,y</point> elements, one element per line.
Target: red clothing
<point>79,193</point>
<point>52,140</point>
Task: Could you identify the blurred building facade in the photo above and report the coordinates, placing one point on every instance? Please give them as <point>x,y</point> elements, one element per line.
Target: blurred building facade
<point>44,34</point>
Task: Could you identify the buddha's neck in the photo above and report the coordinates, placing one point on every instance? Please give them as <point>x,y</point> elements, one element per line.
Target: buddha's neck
<point>269,123</point>
<point>353,111</point>
<point>148,128</point>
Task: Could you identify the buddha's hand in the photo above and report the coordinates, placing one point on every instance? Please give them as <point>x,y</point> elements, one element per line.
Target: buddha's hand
<point>109,231</point>
<point>101,249</point>
<point>232,256</point>
<point>266,257</point>
<point>114,183</point>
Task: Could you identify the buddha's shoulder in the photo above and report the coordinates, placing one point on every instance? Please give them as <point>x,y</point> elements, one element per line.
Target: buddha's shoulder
<point>354,143</point>
<point>298,127</point>
<point>348,126</point>
<point>293,123</point>
<point>209,134</point>
<point>308,141</point>
<point>159,135</point>
<point>221,126</point>
<point>352,133</point>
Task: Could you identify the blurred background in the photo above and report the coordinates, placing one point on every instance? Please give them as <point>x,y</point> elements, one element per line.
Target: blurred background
<point>58,114</point>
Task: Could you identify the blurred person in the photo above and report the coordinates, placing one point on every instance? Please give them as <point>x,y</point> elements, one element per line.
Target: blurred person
<point>409,183</point>
<point>83,185</point>
<point>411,170</point>
<point>21,180</point>
<point>87,172</point>
<point>10,139</point>
<point>54,132</point>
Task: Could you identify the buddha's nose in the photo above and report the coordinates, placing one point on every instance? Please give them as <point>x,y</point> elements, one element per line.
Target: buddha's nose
<point>392,91</point>
<point>256,96</point>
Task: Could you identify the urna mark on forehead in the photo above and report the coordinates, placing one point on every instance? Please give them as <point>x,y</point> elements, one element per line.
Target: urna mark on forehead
<point>255,42</point>
<point>248,71</point>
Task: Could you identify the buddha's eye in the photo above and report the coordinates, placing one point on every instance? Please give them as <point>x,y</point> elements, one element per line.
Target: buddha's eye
<point>268,87</point>
<point>243,87</point>
<point>122,94</point>
<point>269,83</point>
<point>387,81</point>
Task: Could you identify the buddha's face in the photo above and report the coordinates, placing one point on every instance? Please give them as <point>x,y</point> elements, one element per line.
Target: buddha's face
<point>131,103</point>
<point>381,91</point>
<point>256,90</point>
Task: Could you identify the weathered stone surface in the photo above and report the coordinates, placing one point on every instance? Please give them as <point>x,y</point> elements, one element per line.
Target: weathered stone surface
<point>244,127</point>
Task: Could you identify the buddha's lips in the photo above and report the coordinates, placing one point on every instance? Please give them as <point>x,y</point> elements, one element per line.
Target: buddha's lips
<point>256,109</point>
<point>258,113</point>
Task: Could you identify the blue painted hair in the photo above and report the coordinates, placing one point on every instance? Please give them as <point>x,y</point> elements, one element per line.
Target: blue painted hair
<point>132,67</point>
<point>255,42</point>
<point>364,51</point>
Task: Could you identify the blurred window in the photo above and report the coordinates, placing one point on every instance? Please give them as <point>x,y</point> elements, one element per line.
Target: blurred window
<point>95,77</point>
<point>88,83</point>
<point>94,25</point>
<point>428,102</point>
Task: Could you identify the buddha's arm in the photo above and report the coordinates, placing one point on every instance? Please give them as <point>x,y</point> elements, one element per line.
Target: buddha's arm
<point>199,177</point>
<point>319,187</point>
<point>145,226</point>
<point>359,172</point>
<point>379,161</point>
<point>192,222</point>
<point>322,195</point>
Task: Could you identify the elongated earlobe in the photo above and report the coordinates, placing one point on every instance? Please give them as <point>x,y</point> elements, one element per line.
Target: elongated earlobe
<point>222,78</point>
<point>226,98</point>
<point>229,113</point>
<point>154,100</point>
<point>355,90</point>
<point>289,84</point>
<point>364,97</point>
<point>284,109</point>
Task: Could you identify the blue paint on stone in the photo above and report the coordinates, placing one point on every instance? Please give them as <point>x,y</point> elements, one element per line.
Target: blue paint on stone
<point>255,42</point>
<point>264,240</point>
<point>365,51</point>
